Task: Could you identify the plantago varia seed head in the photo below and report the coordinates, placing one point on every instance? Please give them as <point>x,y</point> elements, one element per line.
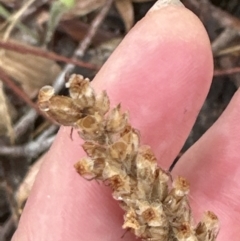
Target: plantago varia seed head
<point>156,209</point>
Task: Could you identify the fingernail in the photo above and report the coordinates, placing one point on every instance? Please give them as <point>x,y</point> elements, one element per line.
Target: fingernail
<point>164,3</point>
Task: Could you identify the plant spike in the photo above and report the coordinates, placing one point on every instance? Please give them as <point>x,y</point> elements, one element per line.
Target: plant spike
<point>156,209</point>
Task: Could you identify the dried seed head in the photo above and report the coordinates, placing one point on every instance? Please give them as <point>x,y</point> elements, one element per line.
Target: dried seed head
<point>116,121</point>
<point>154,212</point>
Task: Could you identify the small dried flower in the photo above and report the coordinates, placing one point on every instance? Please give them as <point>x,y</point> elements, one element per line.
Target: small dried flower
<point>85,167</point>
<point>81,91</point>
<point>156,209</point>
<point>90,127</point>
<point>160,185</point>
<point>102,103</point>
<point>89,168</point>
<point>61,109</point>
<point>130,220</point>
<point>208,228</point>
<point>94,150</point>
<point>116,120</point>
<point>118,151</point>
<point>45,94</point>
<point>185,233</point>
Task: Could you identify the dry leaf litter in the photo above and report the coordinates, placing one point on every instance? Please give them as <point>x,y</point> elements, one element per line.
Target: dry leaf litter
<point>156,208</point>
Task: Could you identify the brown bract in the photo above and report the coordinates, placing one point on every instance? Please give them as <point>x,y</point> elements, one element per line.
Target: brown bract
<point>156,209</point>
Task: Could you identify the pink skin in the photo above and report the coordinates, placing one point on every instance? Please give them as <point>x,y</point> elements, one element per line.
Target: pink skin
<point>161,74</point>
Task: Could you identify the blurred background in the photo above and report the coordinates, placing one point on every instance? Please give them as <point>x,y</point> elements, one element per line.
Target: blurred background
<point>43,41</point>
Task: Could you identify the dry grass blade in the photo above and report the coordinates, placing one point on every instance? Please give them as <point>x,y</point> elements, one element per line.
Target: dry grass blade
<point>15,18</point>
<point>125,9</point>
<point>5,121</point>
<point>30,71</point>
<point>19,92</point>
<point>229,50</point>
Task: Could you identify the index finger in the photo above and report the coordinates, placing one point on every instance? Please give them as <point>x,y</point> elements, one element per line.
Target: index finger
<point>161,73</point>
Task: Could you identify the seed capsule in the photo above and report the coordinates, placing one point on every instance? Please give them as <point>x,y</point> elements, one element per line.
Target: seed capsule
<point>102,103</point>
<point>90,127</point>
<point>152,214</point>
<point>160,185</point>
<point>45,94</point>
<point>145,169</point>
<point>116,121</point>
<point>81,91</point>
<point>94,150</point>
<point>118,151</point>
<point>85,168</point>
<point>181,186</point>
<point>184,232</point>
<point>61,109</point>
<point>176,204</point>
<point>208,228</point>
<point>130,220</point>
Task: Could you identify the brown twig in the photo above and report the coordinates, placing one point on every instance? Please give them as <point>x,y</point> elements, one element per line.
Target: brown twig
<point>24,123</point>
<point>223,40</point>
<point>9,191</point>
<point>224,19</point>
<point>19,92</point>
<point>45,54</point>
<point>30,150</point>
<point>7,228</point>
<point>235,70</point>
<point>93,29</point>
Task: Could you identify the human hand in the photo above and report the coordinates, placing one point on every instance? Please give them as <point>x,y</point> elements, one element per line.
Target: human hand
<point>161,73</point>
